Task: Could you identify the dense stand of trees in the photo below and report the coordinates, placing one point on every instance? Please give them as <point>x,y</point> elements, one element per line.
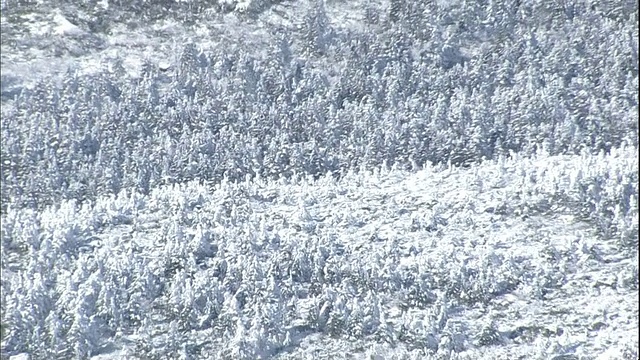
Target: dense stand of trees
<point>248,270</point>
<point>417,84</point>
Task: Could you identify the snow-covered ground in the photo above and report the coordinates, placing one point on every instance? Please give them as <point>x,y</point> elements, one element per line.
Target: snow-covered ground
<point>45,42</point>
<point>496,261</point>
<point>489,262</point>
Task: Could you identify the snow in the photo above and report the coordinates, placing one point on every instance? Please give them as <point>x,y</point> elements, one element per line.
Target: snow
<point>548,282</point>
<point>22,356</point>
<point>551,295</point>
<point>64,27</point>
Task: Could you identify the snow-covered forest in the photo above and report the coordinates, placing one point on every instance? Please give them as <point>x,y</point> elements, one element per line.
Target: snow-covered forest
<point>319,179</point>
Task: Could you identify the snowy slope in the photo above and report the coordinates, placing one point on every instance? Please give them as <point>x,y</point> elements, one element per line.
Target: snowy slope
<point>478,263</point>
<point>504,260</point>
<point>44,42</point>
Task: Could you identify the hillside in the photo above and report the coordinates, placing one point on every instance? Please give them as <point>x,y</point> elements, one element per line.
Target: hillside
<point>326,179</point>
<point>487,262</point>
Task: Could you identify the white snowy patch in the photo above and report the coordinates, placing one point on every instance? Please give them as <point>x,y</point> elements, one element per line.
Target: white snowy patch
<point>62,26</point>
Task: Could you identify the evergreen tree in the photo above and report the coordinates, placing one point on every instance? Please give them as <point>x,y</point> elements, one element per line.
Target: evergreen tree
<point>316,29</point>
